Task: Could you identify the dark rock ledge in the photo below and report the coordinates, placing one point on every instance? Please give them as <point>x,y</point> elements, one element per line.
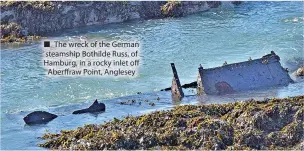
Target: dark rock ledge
<point>22,19</point>
<point>268,124</point>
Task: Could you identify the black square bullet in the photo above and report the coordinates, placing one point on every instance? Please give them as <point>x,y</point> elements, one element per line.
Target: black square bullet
<point>47,44</point>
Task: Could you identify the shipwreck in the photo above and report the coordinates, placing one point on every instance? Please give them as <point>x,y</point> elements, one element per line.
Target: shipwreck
<point>229,78</point>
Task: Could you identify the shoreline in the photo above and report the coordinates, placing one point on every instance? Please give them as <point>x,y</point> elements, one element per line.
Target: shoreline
<point>48,17</point>
<point>241,125</point>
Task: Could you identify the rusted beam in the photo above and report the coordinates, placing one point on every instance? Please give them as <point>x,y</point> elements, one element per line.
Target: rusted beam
<point>176,88</point>
<point>200,87</point>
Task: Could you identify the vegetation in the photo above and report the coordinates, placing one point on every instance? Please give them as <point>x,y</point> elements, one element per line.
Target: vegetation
<point>39,5</point>
<point>268,124</point>
<point>172,9</point>
<point>13,32</point>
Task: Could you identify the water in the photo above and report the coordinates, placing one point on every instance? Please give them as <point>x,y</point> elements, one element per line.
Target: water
<point>208,38</point>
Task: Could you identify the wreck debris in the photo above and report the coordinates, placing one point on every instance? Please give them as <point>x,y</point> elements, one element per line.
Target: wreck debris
<point>95,107</point>
<point>176,88</point>
<point>39,117</point>
<point>263,72</point>
<point>185,86</point>
<point>200,88</point>
<point>225,63</point>
<point>190,85</point>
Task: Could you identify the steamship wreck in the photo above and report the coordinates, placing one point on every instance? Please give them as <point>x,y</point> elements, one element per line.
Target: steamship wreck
<point>252,74</point>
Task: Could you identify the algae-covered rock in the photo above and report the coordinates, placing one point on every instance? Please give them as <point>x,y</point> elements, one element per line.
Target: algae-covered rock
<point>12,32</point>
<point>172,9</point>
<point>269,124</point>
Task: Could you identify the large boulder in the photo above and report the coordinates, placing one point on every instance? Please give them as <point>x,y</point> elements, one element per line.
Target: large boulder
<point>39,117</point>
<point>95,107</point>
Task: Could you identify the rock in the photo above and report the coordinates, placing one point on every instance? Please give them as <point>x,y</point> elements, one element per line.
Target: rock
<point>52,16</point>
<point>172,9</point>
<point>95,107</point>
<point>11,32</point>
<point>39,117</point>
<point>300,71</point>
<point>275,124</point>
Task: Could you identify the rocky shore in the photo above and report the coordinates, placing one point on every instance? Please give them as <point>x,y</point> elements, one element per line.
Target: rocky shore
<point>22,19</point>
<point>267,124</point>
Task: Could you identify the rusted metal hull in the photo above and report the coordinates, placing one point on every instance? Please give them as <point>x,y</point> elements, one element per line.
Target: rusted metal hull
<point>259,73</point>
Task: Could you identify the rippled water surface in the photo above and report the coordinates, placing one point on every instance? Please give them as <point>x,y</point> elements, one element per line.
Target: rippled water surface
<point>208,38</point>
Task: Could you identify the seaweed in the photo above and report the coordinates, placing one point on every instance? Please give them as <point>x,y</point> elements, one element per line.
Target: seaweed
<point>268,124</point>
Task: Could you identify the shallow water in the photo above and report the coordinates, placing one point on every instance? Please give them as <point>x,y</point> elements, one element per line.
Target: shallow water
<point>208,38</point>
